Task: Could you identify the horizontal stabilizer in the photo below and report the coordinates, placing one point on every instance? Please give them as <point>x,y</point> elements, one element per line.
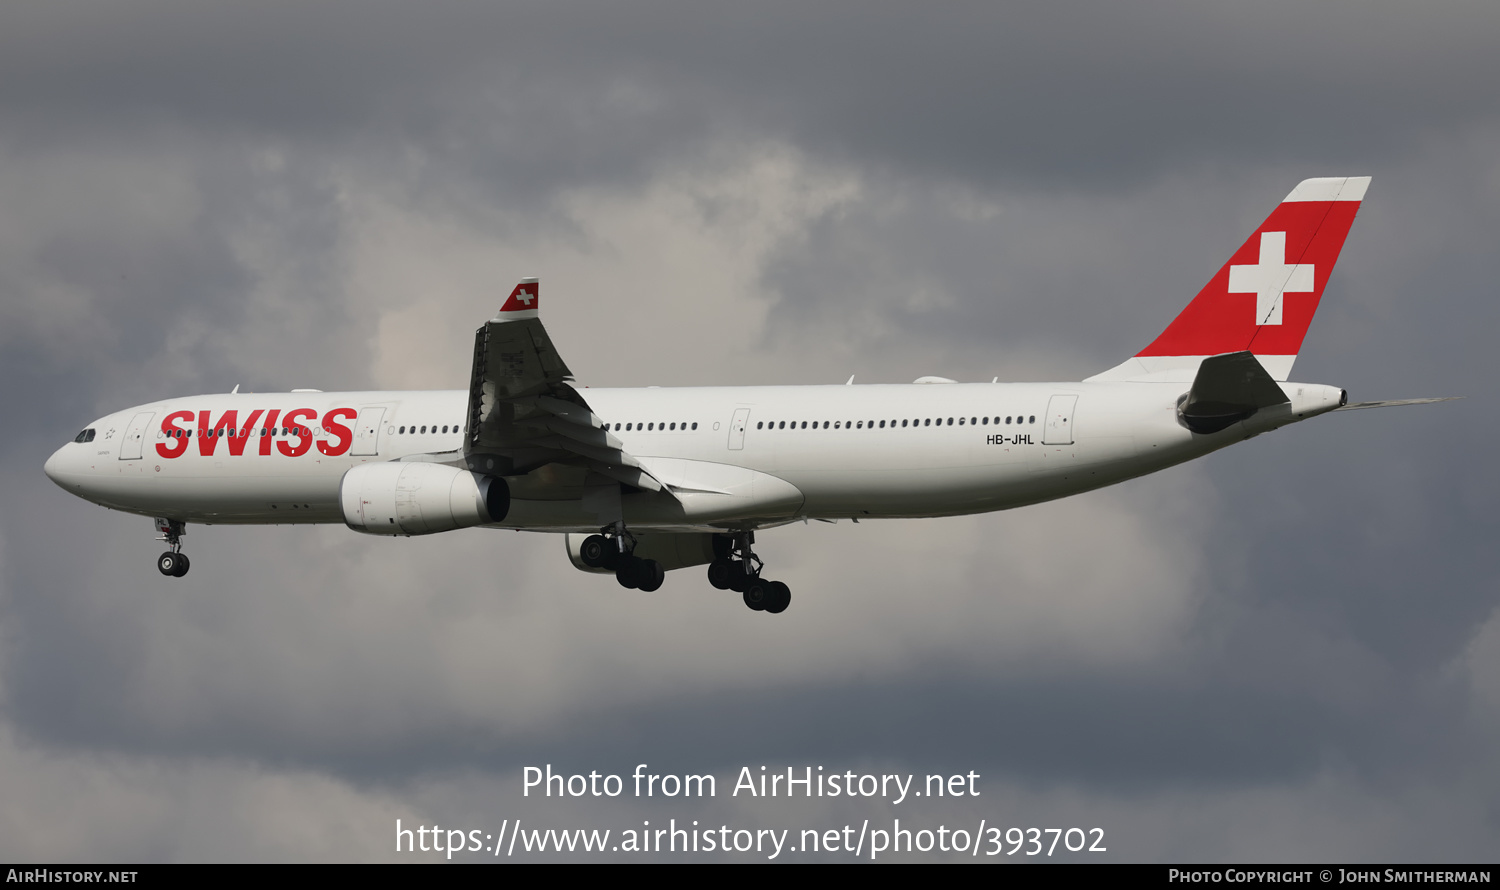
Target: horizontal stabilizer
<point>1396,403</point>
<point>1227,389</point>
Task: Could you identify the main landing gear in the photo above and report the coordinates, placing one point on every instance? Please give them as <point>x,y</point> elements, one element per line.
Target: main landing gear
<point>174,562</point>
<point>614,549</point>
<point>737,568</point>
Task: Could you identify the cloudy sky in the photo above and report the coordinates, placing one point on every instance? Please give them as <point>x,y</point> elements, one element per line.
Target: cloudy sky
<point>1287,651</point>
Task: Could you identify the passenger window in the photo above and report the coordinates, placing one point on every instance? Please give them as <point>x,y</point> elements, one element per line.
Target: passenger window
<point>960,421</point>
<point>1033,418</point>
<point>695,425</point>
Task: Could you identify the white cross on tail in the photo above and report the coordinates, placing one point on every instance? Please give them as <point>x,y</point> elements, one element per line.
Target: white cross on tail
<point>1271,278</point>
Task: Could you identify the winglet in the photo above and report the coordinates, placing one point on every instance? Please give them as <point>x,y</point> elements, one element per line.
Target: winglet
<point>522,303</point>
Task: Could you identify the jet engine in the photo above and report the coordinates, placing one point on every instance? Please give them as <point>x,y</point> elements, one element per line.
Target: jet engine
<point>419,498</point>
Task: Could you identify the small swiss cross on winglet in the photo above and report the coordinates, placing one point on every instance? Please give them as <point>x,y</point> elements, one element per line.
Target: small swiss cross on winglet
<point>523,300</point>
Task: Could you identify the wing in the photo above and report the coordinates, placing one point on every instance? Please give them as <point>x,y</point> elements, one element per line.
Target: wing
<point>523,414</point>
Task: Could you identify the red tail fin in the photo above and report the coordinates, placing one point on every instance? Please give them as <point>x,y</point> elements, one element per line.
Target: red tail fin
<point>1264,298</point>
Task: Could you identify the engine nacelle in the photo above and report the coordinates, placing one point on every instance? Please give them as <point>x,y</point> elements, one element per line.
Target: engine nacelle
<point>419,498</point>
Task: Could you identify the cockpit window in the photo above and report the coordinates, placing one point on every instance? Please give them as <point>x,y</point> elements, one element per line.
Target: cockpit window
<point>85,436</point>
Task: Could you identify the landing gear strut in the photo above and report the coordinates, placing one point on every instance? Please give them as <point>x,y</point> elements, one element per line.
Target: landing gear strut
<point>614,548</point>
<point>174,563</point>
<point>737,568</point>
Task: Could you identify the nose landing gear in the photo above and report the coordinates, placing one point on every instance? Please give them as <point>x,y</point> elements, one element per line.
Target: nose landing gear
<point>174,563</point>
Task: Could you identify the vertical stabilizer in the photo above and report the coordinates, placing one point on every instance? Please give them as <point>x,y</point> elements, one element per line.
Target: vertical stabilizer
<point>1263,299</point>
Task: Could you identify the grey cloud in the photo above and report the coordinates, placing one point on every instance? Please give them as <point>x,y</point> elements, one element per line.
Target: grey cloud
<point>1082,93</point>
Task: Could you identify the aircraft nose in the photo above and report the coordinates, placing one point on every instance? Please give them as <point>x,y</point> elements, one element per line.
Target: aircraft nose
<point>54,466</point>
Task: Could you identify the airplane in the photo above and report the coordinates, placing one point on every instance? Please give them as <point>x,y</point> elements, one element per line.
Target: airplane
<point>645,481</point>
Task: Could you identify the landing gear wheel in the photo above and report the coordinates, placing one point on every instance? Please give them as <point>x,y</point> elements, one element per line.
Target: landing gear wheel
<point>650,575</point>
<point>718,573</point>
<point>173,563</point>
<point>755,595</point>
<point>630,572</point>
<point>778,597</point>
<point>739,581</point>
<point>594,551</point>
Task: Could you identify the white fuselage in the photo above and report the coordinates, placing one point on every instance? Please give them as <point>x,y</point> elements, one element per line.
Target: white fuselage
<point>731,456</point>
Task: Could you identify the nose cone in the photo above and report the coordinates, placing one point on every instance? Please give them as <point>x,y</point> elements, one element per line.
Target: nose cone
<point>56,466</point>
